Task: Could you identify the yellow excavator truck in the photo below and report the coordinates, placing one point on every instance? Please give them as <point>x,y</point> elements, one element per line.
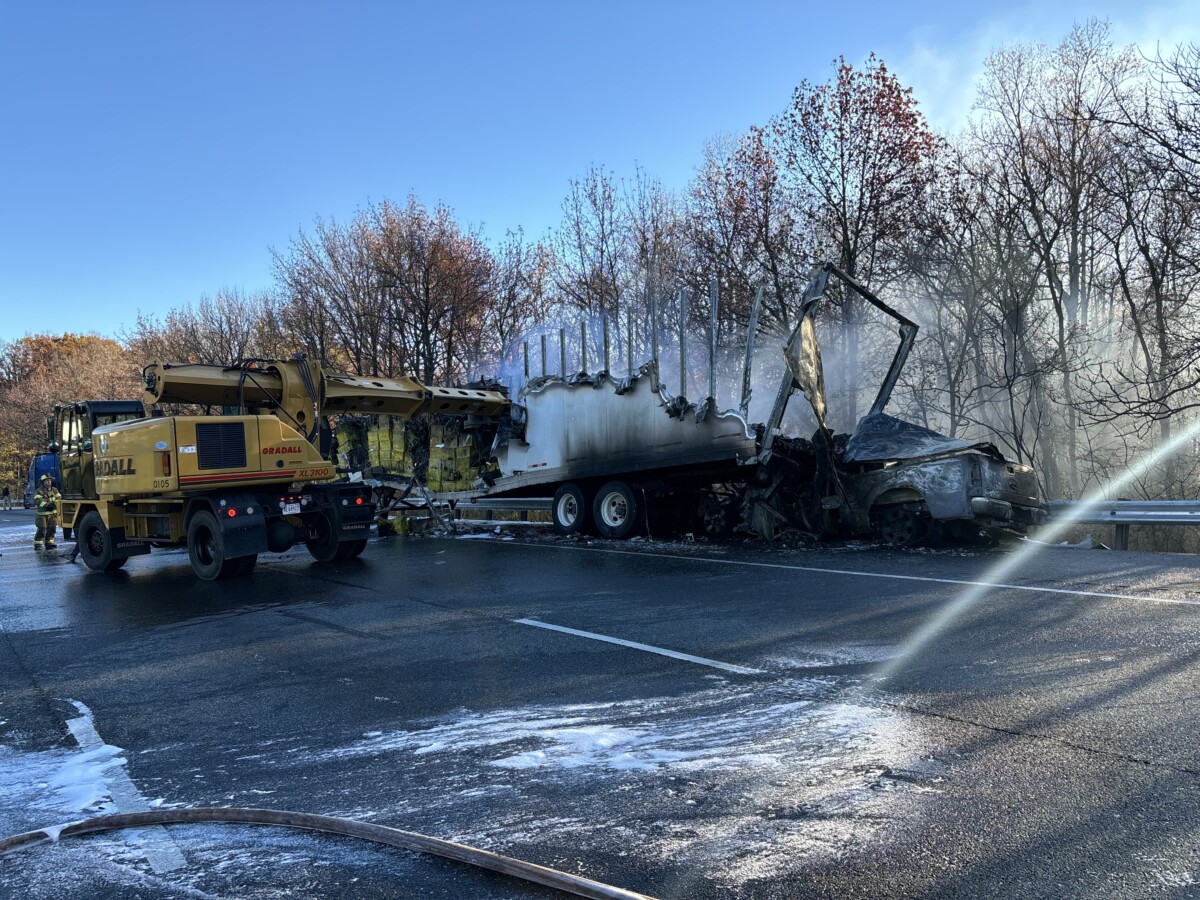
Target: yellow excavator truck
<point>247,477</point>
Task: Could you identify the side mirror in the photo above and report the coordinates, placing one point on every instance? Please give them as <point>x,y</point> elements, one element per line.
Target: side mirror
<point>54,447</point>
<point>87,446</point>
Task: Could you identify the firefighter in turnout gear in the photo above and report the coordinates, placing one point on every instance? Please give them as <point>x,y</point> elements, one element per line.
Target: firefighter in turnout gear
<point>45,504</point>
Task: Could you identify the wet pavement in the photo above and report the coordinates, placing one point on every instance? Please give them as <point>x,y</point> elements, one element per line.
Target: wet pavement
<point>685,720</point>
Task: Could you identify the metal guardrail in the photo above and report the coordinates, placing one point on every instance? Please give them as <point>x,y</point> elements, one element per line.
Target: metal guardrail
<point>523,505</point>
<point>501,503</point>
<point>1124,513</point>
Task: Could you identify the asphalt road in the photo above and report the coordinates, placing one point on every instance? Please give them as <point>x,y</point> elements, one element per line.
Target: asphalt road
<point>811,736</point>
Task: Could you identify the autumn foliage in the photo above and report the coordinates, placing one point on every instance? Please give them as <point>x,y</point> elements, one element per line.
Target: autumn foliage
<point>1050,252</point>
<point>38,372</point>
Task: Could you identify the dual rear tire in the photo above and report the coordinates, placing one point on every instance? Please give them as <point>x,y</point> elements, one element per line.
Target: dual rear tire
<point>206,548</point>
<point>614,511</point>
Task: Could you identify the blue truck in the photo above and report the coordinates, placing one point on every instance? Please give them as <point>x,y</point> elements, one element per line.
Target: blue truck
<point>42,464</point>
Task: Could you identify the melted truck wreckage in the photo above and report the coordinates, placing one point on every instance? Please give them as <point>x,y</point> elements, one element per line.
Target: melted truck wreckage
<point>889,477</point>
<point>624,454</point>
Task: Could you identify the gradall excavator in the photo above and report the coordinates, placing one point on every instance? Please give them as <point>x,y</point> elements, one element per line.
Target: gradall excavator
<point>228,486</point>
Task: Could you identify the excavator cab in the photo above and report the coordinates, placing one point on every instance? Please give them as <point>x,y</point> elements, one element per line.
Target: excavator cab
<point>70,433</point>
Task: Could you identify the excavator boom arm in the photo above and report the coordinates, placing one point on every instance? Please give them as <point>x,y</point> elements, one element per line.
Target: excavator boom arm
<point>299,391</point>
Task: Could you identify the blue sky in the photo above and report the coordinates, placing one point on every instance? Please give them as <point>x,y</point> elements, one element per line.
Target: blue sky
<point>151,153</point>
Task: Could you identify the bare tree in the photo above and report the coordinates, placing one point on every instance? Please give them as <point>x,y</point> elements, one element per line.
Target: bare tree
<point>590,245</point>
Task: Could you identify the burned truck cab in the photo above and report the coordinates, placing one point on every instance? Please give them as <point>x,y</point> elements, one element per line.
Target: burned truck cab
<point>901,479</point>
<point>890,477</point>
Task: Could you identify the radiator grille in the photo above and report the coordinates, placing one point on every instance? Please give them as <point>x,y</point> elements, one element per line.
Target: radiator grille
<point>221,445</point>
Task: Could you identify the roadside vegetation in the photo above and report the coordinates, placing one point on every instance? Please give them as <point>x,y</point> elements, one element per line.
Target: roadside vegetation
<point>1050,252</point>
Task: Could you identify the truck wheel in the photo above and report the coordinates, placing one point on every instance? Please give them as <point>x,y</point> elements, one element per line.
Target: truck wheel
<point>616,510</point>
<point>206,549</point>
<point>324,547</point>
<point>569,511</point>
<point>351,549</point>
<point>245,565</point>
<point>716,515</point>
<point>901,526</point>
<point>95,544</point>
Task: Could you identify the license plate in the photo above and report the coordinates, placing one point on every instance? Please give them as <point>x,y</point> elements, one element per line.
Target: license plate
<point>291,509</point>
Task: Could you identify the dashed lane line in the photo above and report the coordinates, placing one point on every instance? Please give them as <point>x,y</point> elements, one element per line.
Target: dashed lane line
<point>648,648</point>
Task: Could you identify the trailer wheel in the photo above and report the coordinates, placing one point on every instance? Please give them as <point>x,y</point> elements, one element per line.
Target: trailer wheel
<point>206,550</point>
<point>324,547</point>
<point>616,510</point>
<point>95,544</point>
<point>570,509</point>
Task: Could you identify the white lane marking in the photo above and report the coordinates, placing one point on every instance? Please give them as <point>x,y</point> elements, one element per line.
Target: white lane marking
<point>661,651</point>
<point>161,852</point>
<point>925,578</point>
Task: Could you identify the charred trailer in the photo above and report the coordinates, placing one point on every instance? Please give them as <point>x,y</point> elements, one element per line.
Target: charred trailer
<point>620,454</point>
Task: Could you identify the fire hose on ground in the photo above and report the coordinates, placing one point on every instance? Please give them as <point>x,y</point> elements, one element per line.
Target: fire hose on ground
<point>382,834</point>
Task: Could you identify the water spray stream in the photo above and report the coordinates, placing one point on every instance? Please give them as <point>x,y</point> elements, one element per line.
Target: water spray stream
<point>945,616</point>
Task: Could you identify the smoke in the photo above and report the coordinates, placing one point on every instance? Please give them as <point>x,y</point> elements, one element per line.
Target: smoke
<point>630,350</point>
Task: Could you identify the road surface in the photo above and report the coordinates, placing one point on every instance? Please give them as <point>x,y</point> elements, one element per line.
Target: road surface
<point>684,720</point>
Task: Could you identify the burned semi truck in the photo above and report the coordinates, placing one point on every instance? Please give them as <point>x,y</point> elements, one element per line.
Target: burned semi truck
<point>618,453</point>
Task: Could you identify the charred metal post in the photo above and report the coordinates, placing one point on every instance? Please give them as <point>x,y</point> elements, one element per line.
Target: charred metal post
<point>606,359</point>
<point>683,341</point>
<point>629,342</point>
<point>803,366</point>
<point>562,352</point>
<point>712,337</point>
<point>525,353</point>
<point>654,338</point>
<point>583,346</point>
<point>751,331</point>
<point>543,354</point>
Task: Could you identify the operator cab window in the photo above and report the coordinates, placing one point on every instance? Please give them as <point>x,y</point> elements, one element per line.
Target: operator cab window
<point>71,435</point>
<point>114,418</point>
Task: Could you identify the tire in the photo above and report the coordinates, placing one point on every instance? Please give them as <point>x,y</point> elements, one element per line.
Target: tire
<point>900,525</point>
<point>95,544</point>
<point>324,547</point>
<point>716,516</point>
<point>569,511</point>
<point>351,549</point>
<point>616,510</point>
<point>206,550</point>
<point>245,565</point>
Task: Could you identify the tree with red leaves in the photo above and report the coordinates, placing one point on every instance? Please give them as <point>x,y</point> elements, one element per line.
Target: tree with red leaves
<point>859,157</point>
